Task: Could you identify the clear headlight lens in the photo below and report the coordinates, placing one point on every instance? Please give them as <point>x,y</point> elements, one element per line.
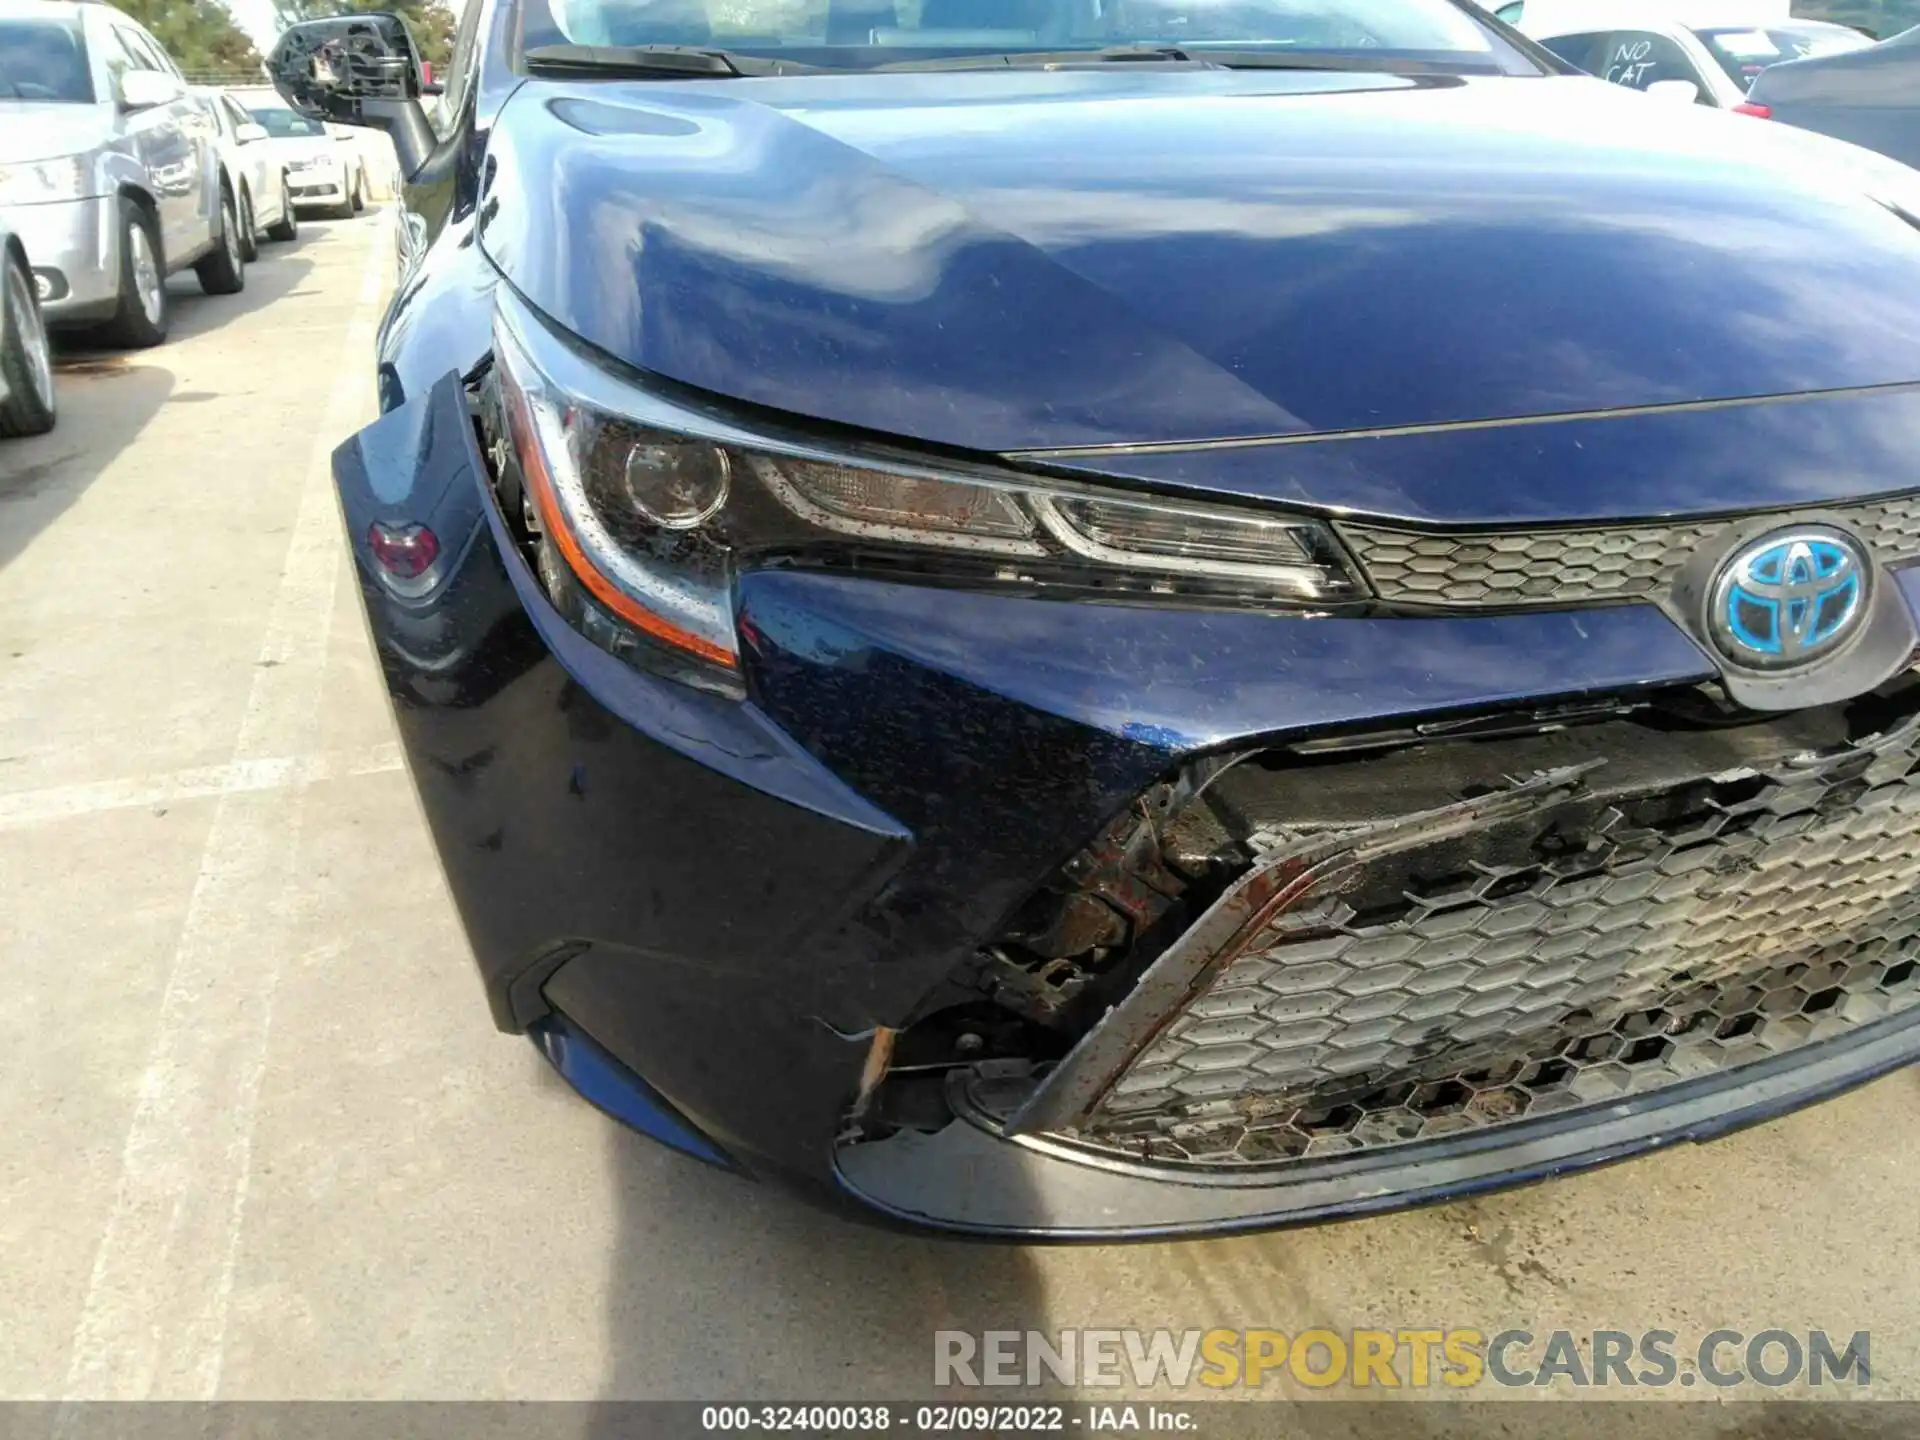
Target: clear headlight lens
<point>677,484</point>
<point>1290,558</point>
<point>41,180</point>
<point>639,510</point>
<point>607,559</point>
<point>851,500</point>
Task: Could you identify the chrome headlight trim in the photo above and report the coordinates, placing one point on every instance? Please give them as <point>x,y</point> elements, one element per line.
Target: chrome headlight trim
<point>1310,569</point>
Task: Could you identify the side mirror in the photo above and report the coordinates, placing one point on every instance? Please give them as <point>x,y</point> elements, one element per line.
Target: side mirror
<point>1676,92</point>
<point>144,89</point>
<point>249,132</point>
<point>357,70</point>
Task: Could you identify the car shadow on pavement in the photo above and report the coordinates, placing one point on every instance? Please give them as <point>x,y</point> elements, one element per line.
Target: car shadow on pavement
<point>104,405</point>
<point>107,397</point>
<point>724,1289</point>
<point>279,271</point>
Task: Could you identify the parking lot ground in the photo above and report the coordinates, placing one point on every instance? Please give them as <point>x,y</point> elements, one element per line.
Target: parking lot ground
<point>259,1140</point>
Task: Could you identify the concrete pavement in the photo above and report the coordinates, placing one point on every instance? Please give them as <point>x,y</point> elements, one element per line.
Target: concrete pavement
<point>259,1140</point>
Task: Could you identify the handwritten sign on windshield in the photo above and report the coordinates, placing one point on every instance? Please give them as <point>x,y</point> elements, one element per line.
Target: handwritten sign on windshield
<point>1630,62</point>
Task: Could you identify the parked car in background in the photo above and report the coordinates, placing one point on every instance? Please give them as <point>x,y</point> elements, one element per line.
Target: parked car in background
<point>324,170</point>
<point>1870,96</point>
<point>26,364</point>
<point>1540,13</point>
<point>110,169</point>
<point>258,171</point>
<point>1706,54</point>
<point>1745,51</point>
<point>1656,56</point>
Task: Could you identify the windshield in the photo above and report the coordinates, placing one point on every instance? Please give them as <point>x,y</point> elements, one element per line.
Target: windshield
<point>863,33</point>
<point>282,123</point>
<point>44,60</point>
<point>1744,53</point>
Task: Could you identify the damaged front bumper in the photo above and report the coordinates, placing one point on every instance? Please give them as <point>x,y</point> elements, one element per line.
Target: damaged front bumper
<point>1667,929</point>
<point>1006,915</point>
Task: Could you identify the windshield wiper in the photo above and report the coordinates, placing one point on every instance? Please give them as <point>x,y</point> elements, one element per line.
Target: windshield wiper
<point>656,61</point>
<point>1366,62</point>
<point>1197,58</point>
<point>695,61</point>
<point>1107,55</point>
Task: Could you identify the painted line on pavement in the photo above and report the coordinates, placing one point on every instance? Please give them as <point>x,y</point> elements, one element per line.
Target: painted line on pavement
<point>279,772</point>
<point>154,1320</point>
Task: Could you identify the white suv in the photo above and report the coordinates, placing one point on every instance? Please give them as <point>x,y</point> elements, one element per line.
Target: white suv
<point>109,169</point>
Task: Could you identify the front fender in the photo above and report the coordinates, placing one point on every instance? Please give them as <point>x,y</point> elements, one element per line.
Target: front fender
<point>441,316</point>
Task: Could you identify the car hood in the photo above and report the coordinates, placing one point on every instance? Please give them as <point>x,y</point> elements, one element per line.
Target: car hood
<point>1033,260</point>
<point>41,130</point>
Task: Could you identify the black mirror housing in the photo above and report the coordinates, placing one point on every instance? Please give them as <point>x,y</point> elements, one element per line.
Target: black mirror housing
<point>329,68</point>
<point>357,69</point>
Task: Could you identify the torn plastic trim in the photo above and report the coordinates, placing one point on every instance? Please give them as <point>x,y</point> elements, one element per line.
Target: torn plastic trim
<point>525,988</point>
<point>1279,880</point>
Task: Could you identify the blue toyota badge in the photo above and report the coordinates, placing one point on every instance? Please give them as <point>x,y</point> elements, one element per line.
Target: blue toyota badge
<point>1789,599</point>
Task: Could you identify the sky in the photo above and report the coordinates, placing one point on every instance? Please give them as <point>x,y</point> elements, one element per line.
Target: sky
<point>256,18</point>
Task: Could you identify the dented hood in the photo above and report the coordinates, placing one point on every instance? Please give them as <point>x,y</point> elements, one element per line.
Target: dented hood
<point>1031,260</point>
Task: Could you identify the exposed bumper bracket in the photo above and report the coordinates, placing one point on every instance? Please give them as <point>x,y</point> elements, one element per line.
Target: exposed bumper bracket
<point>1237,921</point>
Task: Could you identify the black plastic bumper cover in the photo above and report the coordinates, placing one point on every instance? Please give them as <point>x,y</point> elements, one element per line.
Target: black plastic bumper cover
<point>968,1180</point>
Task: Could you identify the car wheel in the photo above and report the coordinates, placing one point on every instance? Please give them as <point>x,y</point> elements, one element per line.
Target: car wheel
<point>288,227</point>
<point>25,358</point>
<point>359,191</point>
<point>224,272</point>
<point>140,317</point>
<point>249,236</point>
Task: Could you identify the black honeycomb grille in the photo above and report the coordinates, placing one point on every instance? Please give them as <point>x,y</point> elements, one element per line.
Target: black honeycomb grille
<point>1595,949</point>
<point>1578,566</point>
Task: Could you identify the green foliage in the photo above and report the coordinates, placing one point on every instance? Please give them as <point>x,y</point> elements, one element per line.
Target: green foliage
<point>199,34</point>
<point>432,24</point>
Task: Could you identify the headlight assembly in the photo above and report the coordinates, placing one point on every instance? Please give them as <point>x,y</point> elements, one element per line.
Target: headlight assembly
<point>639,510</point>
<point>37,181</point>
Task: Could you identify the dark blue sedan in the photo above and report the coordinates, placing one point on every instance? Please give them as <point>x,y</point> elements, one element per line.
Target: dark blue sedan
<point>1116,617</point>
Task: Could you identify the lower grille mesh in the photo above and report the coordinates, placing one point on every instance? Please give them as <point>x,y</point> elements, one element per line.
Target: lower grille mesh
<point>1585,951</point>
